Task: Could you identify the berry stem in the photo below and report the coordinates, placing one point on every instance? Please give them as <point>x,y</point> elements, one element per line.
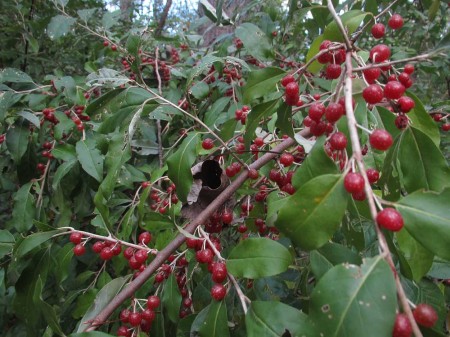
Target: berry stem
<point>384,64</point>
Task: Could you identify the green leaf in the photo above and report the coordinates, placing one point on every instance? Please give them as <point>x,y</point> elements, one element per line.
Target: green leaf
<point>64,152</point>
<point>367,293</point>
<point>351,20</point>
<point>104,296</point>
<point>17,141</point>
<point>430,169</point>
<point>284,120</point>
<point>133,44</point>
<point>32,118</point>
<point>32,241</point>
<point>255,41</point>
<point>316,163</point>
<point>24,209</point>
<point>315,66</point>
<point>273,319</point>
<point>329,255</point>
<point>90,158</point>
<point>200,90</point>
<point>261,82</point>
<point>59,26</point>
<point>171,298</point>
<point>70,89</point>
<point>61,172</point>
<point>422,121</point>
<point>91,334</point>
<point>427,219</point>
<point>179,165</point>
<point>6,245</point>
<point>86,14</point>
<point>14,76</point>
<point>47,310</point>
<point>258,257</point>
<point>314,212</point>
<point>419,258</point>
<point>109,78</point>
<point>216,321</point>
<point>256,115</point>
<point>433,10</point>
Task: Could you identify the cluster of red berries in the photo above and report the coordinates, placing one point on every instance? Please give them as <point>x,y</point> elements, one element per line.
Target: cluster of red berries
<point>333,59</point>
<point>49,115</point>
<point>79,117</point>
<point>161,200</point>
<point>321,118</point>
<point>174,56</point>
<point>440,118</point>
<point>241,114</point>
<point>231,74</point>
<point>395,22</point>
<point>135,319</point>
<point>424,315</point>
<point>354,183</point>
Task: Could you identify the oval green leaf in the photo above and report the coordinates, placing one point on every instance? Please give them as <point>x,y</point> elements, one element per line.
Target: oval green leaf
<point>427,219</point>
<point>261,82</point>
<point>32,241</point>
<point>171,298</point>
<point>273,319</point>
<point>216,321</point>
<point>367,292</point>
<point>258,257</point>
<point>314,212</point>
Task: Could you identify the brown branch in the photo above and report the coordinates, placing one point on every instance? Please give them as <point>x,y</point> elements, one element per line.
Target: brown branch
<point>162,20</point>
<point>190,228</point>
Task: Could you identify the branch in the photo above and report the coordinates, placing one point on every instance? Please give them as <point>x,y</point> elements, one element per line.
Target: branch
<point>162,20</point>
<point>348,43</point>
<point>162,256</point>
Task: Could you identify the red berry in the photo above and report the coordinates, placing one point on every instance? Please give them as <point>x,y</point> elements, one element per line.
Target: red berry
<point>333,71</point>
<point>79,250</point>
<point>259,142</point>
<point>401,122</point>
<point>135,319</point>
<point>292,89</point>
<point>326,57</point>
<point>373,94</point>
<point>405,79</point>
<point>286,159</point>
<point>287,79</point>
<point>145,238</point>
<point>409,68</point>
<point>149,315</point>
<point>218,291</point>
<point>219,272</point>
<point>75,237</point>
<point>338,141</point>
<point>402,326</point>
<point>227,217</point>
<point>128,253</point>
<point>390,219</point>
<point>380,53</point>
<point>316,111</point>
<point>373,175</point>
<point>394,90</point>
<point>371,74</point>
<point>333,112</point>
<point>446,127</point>
<point>204,256</point>
<point>124,315</point>
<point>242,228</point>
<point>354,182</point>
<point>123,331</point>
<point>360,196</point>
<point>106,254</point>
<point>208,144</point>
<point>253,174</point>
<point>406,104</point>
<point>378,30</point>
<point>425,315</point>
<point>98,246</point>
<point>380,139</point>
<point>113,47</point>
<point>153,302</point>
<point>106,43</point>
<point>395,21</point>
<point>141,256</point>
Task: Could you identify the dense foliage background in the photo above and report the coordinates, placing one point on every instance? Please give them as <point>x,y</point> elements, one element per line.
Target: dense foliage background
<point>124,132</point>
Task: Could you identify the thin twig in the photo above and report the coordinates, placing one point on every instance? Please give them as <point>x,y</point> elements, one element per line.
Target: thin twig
<point>384,64</point>
<point>336,17</point>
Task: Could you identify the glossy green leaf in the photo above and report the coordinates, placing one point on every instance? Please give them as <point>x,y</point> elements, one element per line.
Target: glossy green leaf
<point>90,158</point>
<point>419,258</point>
<point>284,120</point>
<point>261,82</point>
<point>62,171</point>
<point>108,77</point>
<point>171,298</point>
<point>32,241</point>
<point>32,118</point>
<point>179,165</point>
<point>351,20</point>
<point>430,170</point>
<point>255,41</point>
<point>314,212</point>
<point>17,141</point>
<point>200,90</point>
<point>315,66</point>
<point>316,163</point>
<point>59,26</point>
<point>329,255</point>
<point>48,311</point>
<point>104,296</point>
<point>422,121</point>
<point>24,208</point>
<point>6,244</point>
<point>216,321</point>
<point>273,319</point>
<point>367,292</point>
<point>14,76</point>
<point>258,257</point>
<point>427,219</point>
<point>256,115</point>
